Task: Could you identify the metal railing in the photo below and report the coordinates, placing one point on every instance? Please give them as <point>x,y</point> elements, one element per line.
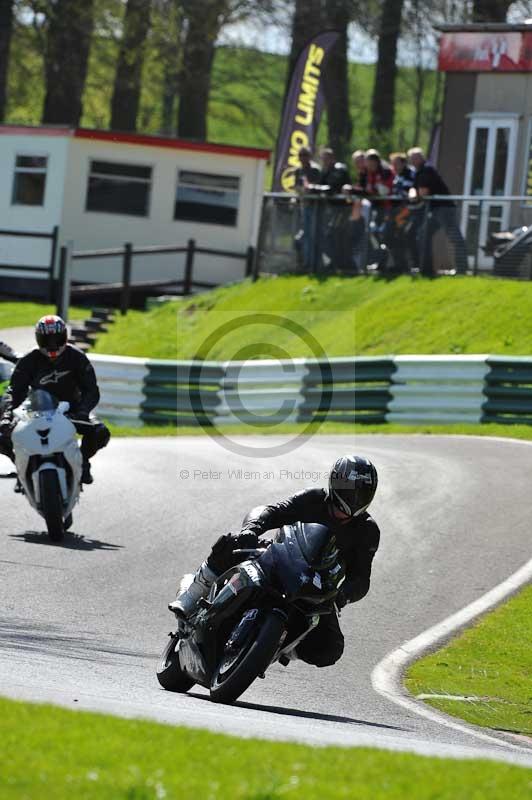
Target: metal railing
<point>126,285</point>
<point>451,234</point>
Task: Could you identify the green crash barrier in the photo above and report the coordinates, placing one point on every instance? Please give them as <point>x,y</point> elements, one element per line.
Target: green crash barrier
<point>508,389</point>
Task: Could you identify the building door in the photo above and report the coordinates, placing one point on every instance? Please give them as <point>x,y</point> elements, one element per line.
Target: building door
<point>489,172</point>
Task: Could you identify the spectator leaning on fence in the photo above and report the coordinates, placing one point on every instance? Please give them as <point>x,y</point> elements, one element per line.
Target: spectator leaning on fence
<point>439,214</point>
<point>405,216</point>
<point>336,229</point>
<point>306,176</point>
<point>360,209</point>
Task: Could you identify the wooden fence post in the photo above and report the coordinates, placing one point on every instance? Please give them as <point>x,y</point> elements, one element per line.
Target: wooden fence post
<point>127,263</point>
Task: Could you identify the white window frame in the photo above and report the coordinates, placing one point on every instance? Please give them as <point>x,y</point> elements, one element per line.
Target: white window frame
<point>31,171</point>
<point>125,163</point>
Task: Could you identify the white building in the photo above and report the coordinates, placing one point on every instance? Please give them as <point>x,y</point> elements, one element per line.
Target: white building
<point>103,188</point>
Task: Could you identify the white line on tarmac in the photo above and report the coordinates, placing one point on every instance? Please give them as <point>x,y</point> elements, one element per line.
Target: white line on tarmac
<point>386,677</point>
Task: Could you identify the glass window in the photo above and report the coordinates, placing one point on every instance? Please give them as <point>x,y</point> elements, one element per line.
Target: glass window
<point>29,180</point>
<point>202,197</point>
<point>115,188</point>
<point>501,161</point>
<point>479,161</point>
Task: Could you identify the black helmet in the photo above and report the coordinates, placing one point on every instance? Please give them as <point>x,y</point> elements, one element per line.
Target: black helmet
<point>51,335</point>
<point>352,485</point>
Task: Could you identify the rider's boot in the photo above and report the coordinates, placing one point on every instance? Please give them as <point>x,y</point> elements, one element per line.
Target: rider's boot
<point>18,487</point>
<point>191,591</point>
<point>86,474</point>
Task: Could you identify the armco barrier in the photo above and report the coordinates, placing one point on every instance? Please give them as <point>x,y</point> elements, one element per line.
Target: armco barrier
<point>407,389</point>
<point>508,390</point>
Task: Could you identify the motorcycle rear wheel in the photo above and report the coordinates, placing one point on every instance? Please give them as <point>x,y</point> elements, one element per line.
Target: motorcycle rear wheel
<point>236,672</point>
<point>169,672</point>
<point>52,504</point>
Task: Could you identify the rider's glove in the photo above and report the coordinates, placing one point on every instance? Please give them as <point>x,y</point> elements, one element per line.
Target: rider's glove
<point>245,541</point>
<point>6,426</point>
<point>341,599</point>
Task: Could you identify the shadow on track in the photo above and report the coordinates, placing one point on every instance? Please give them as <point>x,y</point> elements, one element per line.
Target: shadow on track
<point>296,712</point>
<point>50,640</point>
<point>72,541</point>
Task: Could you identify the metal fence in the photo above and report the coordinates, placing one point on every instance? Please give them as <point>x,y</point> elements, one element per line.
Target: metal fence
<point>458,234</point>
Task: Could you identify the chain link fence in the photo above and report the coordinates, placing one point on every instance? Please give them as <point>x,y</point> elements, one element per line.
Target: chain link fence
<point>318,234</point>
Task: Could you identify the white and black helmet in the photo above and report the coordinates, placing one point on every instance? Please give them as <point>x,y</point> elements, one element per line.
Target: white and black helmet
<point>352,484</point>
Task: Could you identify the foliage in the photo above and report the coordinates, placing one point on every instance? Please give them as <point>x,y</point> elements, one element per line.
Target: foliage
<point>246,96</point>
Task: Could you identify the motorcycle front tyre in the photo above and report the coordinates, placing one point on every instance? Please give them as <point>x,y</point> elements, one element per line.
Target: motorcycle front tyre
<point>253,659</point>
<point>169,672</point>
<point>52,504</point>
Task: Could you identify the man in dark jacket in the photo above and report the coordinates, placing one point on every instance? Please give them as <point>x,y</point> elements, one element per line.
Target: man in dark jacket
<point>67,374</point>
<point>439,214</point>
<point>352,486</point>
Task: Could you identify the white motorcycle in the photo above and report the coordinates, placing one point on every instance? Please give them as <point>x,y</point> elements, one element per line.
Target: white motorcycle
<point>48,459</point>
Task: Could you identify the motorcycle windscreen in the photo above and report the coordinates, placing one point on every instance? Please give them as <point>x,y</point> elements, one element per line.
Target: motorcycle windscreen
<point>41,401</point>
<point>291,561</point>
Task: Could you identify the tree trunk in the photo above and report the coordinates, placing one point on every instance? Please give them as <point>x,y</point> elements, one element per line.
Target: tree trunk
<point>203,21</point>
<point>336,79</point>
<point>126,93</point>
<point>6,29</point>
<point>490,10</point>
<point>166,35</point>
<point>383,101</point>
<point>66,60</point>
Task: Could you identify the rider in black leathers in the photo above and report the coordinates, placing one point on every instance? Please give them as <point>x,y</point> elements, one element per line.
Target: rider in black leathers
<point>67,374</point>
<point>352,485</point>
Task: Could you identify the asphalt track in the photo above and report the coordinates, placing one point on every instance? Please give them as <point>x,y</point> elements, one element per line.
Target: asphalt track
<point>82,624</point>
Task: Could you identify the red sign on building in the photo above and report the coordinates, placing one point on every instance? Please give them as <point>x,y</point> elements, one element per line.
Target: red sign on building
<point>486,52</point>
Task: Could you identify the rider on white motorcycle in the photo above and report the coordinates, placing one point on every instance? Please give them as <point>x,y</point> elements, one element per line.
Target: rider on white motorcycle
<point>66,373</point>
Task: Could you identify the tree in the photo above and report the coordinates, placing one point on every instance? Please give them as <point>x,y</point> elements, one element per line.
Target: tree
<point>383,100</point>
<point>490,10</point>
<point>127,86</point>
<point>6,29</point>
<point>203,22</point>
<point>69,30</point>
<point>338,15</point>
<point>166,40</point>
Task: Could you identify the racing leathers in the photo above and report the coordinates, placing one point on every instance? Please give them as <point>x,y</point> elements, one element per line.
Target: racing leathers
<point>69,377</point>
<point>357,541</point>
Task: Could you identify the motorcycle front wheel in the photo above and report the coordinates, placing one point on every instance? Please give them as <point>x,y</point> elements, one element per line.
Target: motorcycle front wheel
<point>52,504</point>
<point>169,672</point>
<point>237,670</point>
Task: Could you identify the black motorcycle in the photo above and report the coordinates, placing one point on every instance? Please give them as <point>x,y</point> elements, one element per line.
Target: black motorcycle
<point>256,613</point>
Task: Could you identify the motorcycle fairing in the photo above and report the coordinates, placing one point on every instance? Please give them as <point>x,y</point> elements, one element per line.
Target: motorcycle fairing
<point>303,563</point>
<point>49,437</point>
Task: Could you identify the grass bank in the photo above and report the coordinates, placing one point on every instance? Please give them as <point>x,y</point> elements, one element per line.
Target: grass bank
<point>344,316</point>
<point>15,314</point>
<point>51,752</point>
<point>485,671</point>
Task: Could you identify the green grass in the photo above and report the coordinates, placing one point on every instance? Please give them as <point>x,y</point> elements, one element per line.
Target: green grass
<point>15,314</point>
<point>346,316</point>
<point>340,428</point>
<point>145,334</point>
<point>492,662</point>
<point>53,753</point>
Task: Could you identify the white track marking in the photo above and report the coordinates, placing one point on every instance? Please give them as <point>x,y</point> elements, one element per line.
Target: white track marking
<point>386,677</point>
